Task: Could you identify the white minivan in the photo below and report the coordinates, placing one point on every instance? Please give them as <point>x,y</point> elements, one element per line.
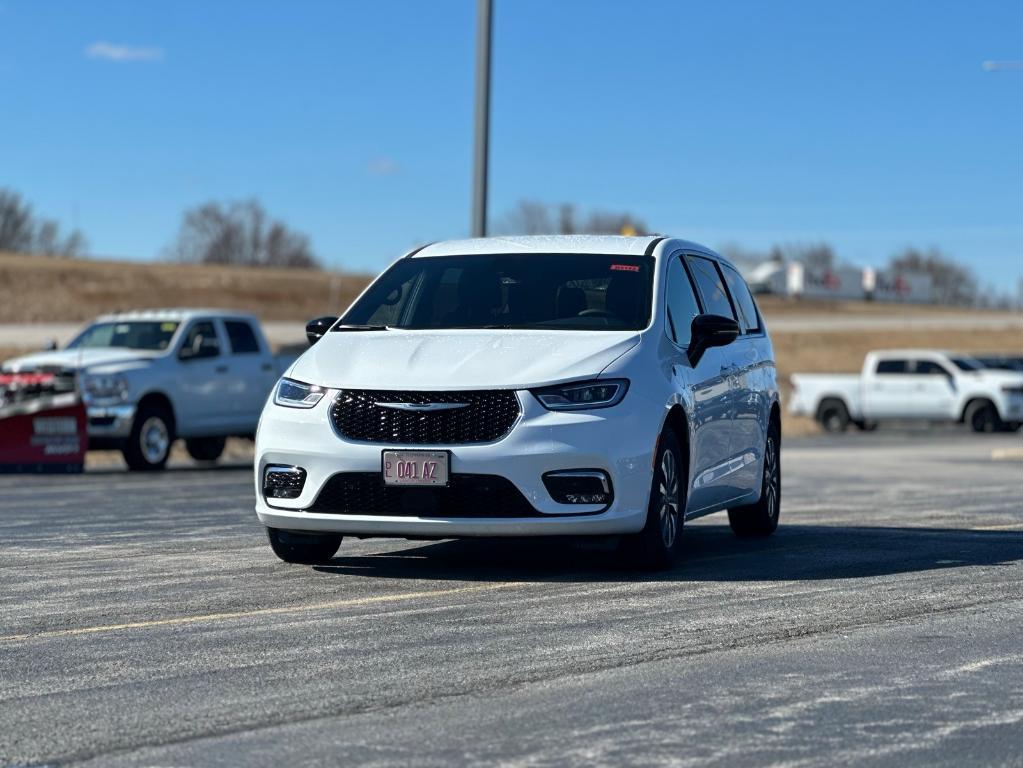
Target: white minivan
<point>528,386</point>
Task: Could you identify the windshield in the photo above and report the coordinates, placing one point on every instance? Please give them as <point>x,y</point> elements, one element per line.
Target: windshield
<point>150,335</point>
<point>552,291</point>
<point>966,364</point>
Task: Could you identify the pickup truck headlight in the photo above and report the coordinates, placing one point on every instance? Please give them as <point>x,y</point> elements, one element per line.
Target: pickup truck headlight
<point>108,388</point>
<point>586,395</point>
<point>297,394</point>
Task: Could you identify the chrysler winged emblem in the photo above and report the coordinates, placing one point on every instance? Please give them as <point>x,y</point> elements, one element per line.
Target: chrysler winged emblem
<point>422,407</point>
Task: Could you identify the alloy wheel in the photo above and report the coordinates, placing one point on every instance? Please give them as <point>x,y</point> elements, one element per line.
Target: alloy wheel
<point>772,478</point>
<point>154,439</point>
<point>669,507</point>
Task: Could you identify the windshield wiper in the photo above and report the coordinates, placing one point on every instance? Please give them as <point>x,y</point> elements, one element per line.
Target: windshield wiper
<point>360,328</point>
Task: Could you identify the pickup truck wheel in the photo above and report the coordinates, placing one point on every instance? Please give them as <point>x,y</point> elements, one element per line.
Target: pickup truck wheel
<point>833,416</point>
<point>205,448</point>
<point>656,546</point>
<point>982,416</point>
<point>151,438</point>
<point>761,519</point>
<point>303,548</point>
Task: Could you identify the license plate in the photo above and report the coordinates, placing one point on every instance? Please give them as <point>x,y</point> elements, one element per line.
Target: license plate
<point>415,467</point>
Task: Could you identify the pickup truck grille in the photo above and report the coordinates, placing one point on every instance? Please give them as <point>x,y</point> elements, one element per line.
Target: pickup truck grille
<point>424,418</point>
<point>466,495</point>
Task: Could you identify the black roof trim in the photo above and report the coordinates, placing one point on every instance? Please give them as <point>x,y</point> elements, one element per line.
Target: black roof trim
<point>653,244</point>
<point>414,251</point>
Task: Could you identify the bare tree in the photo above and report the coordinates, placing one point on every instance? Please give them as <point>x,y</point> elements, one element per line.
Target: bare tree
<point>534,218</point>
<point>22,232</point>
<point>953,283</point>
<point>240,233</point>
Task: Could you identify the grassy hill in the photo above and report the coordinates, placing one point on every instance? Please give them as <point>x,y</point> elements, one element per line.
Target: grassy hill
<point>37,289</point>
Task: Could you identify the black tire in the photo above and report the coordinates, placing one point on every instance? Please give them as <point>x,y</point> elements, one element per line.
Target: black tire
<point>303,548</point>
<point>1013,426</point>
<point>205,448</point>
<point>761,518</point>
<point>657,545</point>
<point>833,416</point>
<point>866,426</point>
<point>982,416</point>
<point>151,438</point>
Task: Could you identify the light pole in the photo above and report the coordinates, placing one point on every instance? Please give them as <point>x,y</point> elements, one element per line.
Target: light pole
<point>482,137</point>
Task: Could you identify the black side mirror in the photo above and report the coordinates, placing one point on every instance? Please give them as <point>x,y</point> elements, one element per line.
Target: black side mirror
<point>711,331</point>
<point>315,329</point>
<point>50,345</point>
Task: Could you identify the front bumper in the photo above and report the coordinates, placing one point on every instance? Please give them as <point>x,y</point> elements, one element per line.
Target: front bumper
<point>617,440</point>
<point>110,421</point>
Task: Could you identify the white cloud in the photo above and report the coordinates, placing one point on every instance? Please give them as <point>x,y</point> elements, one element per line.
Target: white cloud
<point>996,66</point>
<point>114,52</point>
<point>382,166</point>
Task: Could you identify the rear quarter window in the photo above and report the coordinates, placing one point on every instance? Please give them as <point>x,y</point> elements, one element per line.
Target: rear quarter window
<point>748,316</point>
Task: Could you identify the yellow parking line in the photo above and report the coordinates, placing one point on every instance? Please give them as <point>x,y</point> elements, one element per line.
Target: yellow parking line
<point>352,603</point>
<point>1006,454</point>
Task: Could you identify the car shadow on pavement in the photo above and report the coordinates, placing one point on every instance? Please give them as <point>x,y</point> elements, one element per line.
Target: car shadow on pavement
<point>710,553</point>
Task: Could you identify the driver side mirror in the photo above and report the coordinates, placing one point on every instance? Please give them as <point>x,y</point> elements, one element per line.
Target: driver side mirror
<point>315,329</point>
<point>711,331</point>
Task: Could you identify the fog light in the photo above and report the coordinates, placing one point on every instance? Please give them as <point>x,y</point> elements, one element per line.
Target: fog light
<point>283,482</point>
<point>579,486</point>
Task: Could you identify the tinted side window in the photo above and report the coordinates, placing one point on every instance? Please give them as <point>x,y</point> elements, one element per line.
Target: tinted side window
<point>743,299</point>
<point>892,366</point>
<point>680,303</point>
<point>242,338</point>
<point>930,368</point>
<point>712,290</point>
<point>201,338</point>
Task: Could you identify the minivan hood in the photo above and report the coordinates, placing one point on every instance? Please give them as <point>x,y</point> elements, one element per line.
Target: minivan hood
<point>459,359</point>
<point>78,359</point>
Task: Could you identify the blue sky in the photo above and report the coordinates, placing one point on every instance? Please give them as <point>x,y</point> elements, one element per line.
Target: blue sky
<point>872,125</point>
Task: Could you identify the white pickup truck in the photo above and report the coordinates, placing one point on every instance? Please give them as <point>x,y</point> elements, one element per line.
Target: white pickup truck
<point>918,384</point>
<point>152,376</point>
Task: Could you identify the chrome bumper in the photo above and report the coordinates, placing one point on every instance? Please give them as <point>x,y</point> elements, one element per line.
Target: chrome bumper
<point>110,420</point>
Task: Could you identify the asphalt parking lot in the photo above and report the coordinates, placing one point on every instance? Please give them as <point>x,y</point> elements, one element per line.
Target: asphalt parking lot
<point>145,622</point>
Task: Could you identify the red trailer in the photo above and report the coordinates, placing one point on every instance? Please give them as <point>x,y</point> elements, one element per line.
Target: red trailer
<point>42,423</point>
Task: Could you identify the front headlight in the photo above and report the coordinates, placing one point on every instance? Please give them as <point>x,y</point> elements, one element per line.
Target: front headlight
<point>99,387</point>
<point>297,394</point>
<point>577,397</point>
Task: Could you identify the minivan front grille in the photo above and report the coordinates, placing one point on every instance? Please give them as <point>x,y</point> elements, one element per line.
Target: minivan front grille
<point>424,418</point>
<point>466,495</point>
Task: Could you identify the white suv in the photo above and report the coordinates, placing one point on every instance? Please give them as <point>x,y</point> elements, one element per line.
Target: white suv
<point>527,387</point>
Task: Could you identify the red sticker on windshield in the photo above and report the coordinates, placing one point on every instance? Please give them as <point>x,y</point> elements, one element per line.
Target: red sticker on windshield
<point>624,268</point>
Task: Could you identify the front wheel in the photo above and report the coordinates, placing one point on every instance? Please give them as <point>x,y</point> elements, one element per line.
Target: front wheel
<point>151,438</point>
<point>303,548</point>
<point>657,545</point>
<point>761,518</point>
<point>982,416</point>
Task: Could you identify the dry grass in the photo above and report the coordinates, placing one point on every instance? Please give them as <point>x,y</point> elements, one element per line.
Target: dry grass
<point>39,289</point>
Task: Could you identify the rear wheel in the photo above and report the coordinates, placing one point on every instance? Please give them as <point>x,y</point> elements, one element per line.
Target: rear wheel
<point>303,548</point>
<point>205,448</point>
<point>152,434</point>
<point>761,518</point>
<point>982,416</point>
<point>657,545</point>
<point>833,416</point>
